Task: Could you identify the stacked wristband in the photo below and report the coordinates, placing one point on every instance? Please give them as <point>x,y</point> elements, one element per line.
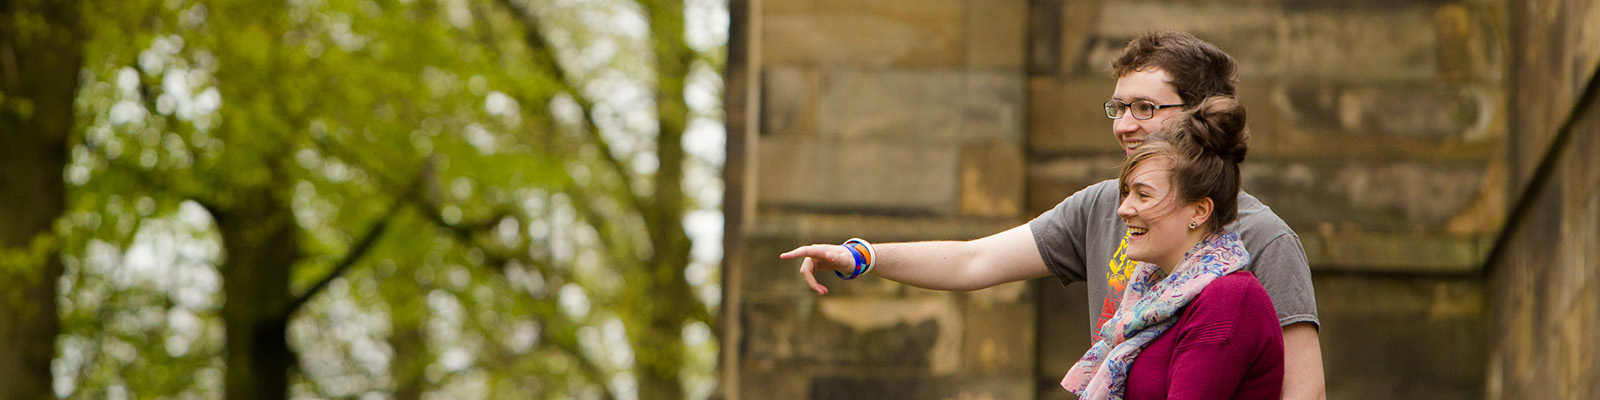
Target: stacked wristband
<point>864,254</point>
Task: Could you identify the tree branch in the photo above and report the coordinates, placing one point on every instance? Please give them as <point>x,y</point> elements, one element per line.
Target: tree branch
<point>356,252</point>
<point>545,56</point>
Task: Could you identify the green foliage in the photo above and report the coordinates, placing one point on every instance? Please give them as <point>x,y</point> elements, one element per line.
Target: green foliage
<point>498,156</point>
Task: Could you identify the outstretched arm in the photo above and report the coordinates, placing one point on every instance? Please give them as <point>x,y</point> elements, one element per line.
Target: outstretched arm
<point>942,265</point>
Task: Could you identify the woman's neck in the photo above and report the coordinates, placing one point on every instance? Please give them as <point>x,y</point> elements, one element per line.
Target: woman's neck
<point>1175,261</point>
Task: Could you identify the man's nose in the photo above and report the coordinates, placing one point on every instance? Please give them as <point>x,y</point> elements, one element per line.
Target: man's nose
<point>1124,125</point>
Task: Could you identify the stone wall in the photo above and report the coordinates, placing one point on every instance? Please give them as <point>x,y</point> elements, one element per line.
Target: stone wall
<point>1545,274</point>
<point>892,120</point>
<point>1377,134</point>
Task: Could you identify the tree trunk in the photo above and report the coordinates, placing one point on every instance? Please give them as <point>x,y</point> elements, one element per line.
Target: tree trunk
<point>38,82</point>
<point>260,238</point>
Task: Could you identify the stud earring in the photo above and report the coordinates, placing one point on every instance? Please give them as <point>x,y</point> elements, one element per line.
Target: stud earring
<point>1193,225</point>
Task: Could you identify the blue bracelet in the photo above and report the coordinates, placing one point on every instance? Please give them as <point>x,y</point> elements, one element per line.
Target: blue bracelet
<point>865,257</point>
<point>861,261</point>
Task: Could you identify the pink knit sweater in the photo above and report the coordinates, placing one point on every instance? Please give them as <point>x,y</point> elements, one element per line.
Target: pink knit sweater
<point>1226,345</point>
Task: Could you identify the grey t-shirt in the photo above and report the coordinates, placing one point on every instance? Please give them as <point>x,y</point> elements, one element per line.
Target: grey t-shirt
<point>1082,239</point>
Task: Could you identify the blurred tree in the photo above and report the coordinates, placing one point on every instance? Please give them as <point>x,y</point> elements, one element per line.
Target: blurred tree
<point>40,54</point>
<point>408,196</point>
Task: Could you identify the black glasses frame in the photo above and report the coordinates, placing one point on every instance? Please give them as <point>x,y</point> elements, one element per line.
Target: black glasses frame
<point>1115,109</point>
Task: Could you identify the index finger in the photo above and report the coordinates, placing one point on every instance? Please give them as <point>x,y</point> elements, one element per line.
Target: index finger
<point>815,250</point>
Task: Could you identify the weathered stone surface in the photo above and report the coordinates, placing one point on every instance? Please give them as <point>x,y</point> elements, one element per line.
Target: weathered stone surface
<point>1546,284</point>
<point>1365,196</point>
<point>1063,333</point>
<point>1342,117</point>
<point>1556,52</point>
<point>921,387</point>
<point>991,179</point>
<point>788,101</point>
<point>766,380</point>
<point>1326,42</point>
<point>812,173</point>
<point>1394,253</point>
<point>941,105</point>
<point>1251,33</point>
<point>1468,44</point>
<point>999,337</point>
<point>871,32</point>
<point>996,30</point>
<point>1051,180</point>
<point>1069,116</point>
<point>830,228</point>
<point>1402,337</point>
<point>766,277</point>
<point>922,332</point>
<point>1262,116</point>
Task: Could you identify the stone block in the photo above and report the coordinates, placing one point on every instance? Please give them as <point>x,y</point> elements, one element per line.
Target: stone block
<point>766,276</point>
<point>991,179</point>
<point>1366,196</point>
<point>1368,118</point>
<point>1392,42</point>
<point>857,175</point>
<point>996,31</point>
<point>1248,32</point>
<point>941,106</point>
<point>1257,96</point>
<point>1406,337</point>
<point>1075,30</point>
<point>1067,116</point>
<point>832,228</point>
<point>1468,47</point>
<point>923,332</point>
<point>999,338</point>
<point>775,381</point>
<point>1394,253</point>
<point>1052,179</point>
<point>788,100</point>
<point>961,387</point>
<point>1063,332</point>
<point>869,33</point>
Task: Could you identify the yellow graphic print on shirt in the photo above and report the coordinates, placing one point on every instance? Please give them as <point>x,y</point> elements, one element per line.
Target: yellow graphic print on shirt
<point>1117,272</point>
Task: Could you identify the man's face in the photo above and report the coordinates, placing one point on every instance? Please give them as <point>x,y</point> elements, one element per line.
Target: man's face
<point>1148,84</point>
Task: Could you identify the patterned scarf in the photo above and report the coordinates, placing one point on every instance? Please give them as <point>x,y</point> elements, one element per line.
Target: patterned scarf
<point>1149,307</point>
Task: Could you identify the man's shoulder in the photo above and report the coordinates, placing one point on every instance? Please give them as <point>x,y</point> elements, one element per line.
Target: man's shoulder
<point>1257,222</point>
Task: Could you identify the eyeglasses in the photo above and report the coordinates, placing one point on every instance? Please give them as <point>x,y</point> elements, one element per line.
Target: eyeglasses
<point>1142,109</point>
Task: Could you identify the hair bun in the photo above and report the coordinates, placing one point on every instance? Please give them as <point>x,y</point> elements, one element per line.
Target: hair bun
<point>1219,128</point>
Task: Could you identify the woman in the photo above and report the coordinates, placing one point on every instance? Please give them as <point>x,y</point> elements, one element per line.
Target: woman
<point>1191,324</point>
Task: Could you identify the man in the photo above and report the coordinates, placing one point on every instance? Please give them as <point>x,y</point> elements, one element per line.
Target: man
<point>1158,75</point>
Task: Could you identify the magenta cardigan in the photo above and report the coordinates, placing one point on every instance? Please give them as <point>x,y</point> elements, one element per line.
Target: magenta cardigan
<point>1227,344</point>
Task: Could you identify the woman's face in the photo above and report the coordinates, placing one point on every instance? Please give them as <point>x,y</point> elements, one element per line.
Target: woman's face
<point>1158,221</point>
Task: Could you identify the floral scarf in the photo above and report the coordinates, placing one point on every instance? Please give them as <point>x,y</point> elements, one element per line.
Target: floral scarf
<point>1149,307</point>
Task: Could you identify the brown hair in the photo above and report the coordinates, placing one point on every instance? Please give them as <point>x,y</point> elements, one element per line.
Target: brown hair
<point>1198,69</point>
<point>1206,145</point>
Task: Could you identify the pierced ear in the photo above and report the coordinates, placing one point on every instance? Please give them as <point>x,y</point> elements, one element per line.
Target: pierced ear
<point>1202,210</point>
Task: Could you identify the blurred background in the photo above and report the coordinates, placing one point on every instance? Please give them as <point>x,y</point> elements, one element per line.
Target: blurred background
<point>360,198</point>
<point>407,199</point>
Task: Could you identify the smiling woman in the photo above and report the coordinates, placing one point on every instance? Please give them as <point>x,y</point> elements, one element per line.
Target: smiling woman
<point>1191,323</point>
